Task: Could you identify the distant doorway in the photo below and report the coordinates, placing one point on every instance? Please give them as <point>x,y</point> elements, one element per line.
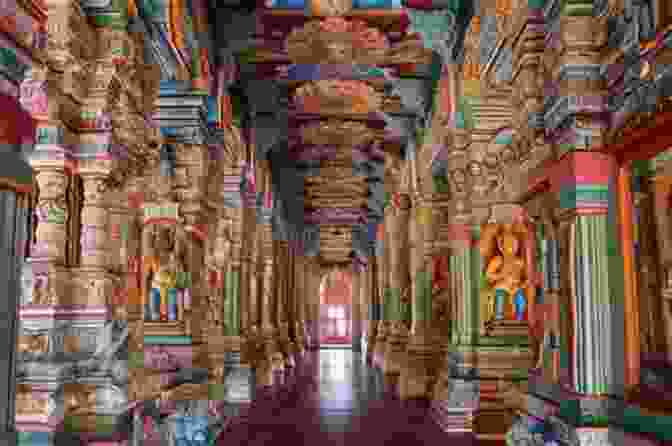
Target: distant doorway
<point>336,308</point>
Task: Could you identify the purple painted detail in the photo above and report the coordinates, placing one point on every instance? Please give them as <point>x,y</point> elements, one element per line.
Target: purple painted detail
<point>8,88</point>
<point>535,14</point>
<point>536,27</point>
<point>553,40</point>
<point>336,216</point>
<point>88,238</point>
<point>551,88</point>
<point>22,56</point>
<point>168,357</point>
<point>64,312</point>
<point>590,103</point>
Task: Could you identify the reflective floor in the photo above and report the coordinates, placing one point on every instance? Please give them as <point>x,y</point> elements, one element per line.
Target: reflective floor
<point>334,398</point>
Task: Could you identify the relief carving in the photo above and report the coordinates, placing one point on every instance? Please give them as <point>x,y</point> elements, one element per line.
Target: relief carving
<point>28,404</point>
<point>33,344</point>
<point>501,247</point>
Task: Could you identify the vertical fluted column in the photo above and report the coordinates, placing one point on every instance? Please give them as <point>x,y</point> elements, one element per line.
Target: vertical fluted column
<point>273,359</point>
<point>366,304</point>
<point>357,273</point>
<point>375,307</point>
<point>314,302</point>
<point>397,235</point>
<point>94,229</point>
<point>382,286</point>
<point>417,375</point>
<point>596,277</point>
<point>281,302</point>
<point>299,302</point>
<point>236,271</point>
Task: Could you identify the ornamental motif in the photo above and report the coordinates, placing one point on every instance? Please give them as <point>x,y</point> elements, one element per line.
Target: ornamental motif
<point>336,40</point>
<point>336,132</point>
<point>337,96</point>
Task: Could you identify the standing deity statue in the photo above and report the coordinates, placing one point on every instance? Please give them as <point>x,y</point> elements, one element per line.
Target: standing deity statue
<point>162,265</point>
<point>505,271</point>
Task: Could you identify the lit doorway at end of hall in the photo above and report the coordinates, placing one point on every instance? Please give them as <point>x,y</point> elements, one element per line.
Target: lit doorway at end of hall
<point>336,308</point>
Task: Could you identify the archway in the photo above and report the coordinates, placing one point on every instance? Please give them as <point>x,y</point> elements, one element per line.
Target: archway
<point>336,308</point>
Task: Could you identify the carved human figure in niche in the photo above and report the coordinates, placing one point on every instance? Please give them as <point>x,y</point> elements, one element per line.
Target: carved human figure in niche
<point>501,246</point>
<point>162,265</point>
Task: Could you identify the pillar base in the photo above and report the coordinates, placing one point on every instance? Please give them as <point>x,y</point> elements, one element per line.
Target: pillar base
<point>417,372</point>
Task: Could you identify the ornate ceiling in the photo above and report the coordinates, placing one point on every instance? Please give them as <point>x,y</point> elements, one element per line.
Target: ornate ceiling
<point>326,124</point>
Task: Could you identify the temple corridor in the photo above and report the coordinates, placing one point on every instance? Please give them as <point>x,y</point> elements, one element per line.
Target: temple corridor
<point>334,398</point>
<point>315,222</point>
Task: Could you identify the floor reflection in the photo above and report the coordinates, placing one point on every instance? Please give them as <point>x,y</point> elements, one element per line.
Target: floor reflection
<point>336,400</point>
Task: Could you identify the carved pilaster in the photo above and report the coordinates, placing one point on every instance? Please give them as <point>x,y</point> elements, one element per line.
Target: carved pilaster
<point>95,217</point>
<point>51,212</point>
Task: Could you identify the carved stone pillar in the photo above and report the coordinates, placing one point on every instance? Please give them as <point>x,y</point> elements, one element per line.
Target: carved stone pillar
<point>356,312</point>
<point>298,293</point>
<point>415,381</point>
<point>397,238</point>
<point>281,308</point>
<point>95,216</point>
<point>374,307</point>
<point>382,288</point>
<point>313,300</point>
<point>274,357</point>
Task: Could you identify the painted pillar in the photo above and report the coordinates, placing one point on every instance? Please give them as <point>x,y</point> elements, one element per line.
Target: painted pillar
<point>465,266</point>
<point>356,313</point>
<point>299,300</point>
<point>416,375</point>
<point>398,280</point>
<point>382,288</point>
<point>281,298</point>
<point>590,218</point>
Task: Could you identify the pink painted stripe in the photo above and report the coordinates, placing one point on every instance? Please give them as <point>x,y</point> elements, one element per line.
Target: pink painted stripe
<point>64,312</point>
<point>583,168</point>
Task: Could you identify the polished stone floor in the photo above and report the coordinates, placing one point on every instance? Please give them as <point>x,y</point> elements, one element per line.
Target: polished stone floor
<point>334,398</point>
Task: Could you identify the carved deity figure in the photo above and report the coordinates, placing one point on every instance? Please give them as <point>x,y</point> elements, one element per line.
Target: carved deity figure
<point>505,270</point>
<point>162,265</point>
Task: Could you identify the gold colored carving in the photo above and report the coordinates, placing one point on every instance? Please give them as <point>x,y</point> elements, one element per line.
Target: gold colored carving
<point>163,251</point>
<point>336,40</point>
<point>336,132</point>
<point>501,248</point>
<point>79,399</point>
<point>28,404</point>
<point>331,96</point>
<point>234,146</point>
<point>36,344</point>
<point>327,8</point>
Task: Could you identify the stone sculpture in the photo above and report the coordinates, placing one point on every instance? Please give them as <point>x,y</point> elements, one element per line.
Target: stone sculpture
<point>501,249</point>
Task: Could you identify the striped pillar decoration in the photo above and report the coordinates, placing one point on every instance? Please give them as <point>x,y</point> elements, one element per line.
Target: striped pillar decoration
<point>585,183</point>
